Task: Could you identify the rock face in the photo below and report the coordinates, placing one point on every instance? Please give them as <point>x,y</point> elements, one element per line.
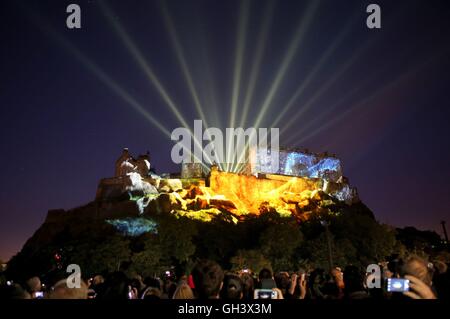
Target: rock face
<point>233,193</point>
<point>121,187</point>
<point>249,192</point>
<point>238,194</point>
<point>170,185</point>
<point>228,195</point>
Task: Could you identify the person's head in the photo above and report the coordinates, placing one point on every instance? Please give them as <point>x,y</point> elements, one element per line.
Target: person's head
<point>152,293</point>
<point>353,279</point>
<point>170,289</point>
<point>116,287</point>
<point>62,291</point>
<point>208,277</point>
<point>233,287</point>
<point>282,280</point>
<point>317,277</point>
<point>440,267</point>
<point>394,265</point>
<point>338,277</point>
<point>337,274</point>
<point>33,285</point>
<point>417,267</point>
<point>152,282</point>
<point>98,280</point>
<point>265,273</point>
<point>13,291</point>
<point>248,285</point>
<point>136,284</point>
<point>183,291</point>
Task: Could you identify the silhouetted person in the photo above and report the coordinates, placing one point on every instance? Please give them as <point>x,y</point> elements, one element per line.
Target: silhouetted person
<point>208,279</point>
<point>233,288</point>
<point>354,283</point>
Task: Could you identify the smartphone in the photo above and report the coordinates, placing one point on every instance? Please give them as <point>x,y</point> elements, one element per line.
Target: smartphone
<point>397,285</point>
<point>39,294</point>
<point>268,284</point>
<point>265,294</point>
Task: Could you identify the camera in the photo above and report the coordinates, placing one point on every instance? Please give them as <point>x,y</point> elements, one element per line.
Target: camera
<point>265,294</point>
<point>397,285</point>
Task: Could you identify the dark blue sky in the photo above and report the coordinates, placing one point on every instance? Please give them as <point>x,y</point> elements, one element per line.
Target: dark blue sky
<point>378,99</point>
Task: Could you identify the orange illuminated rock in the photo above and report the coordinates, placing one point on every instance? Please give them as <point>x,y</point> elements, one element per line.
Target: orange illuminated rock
<point>248,193</point>
<point>165,203</point>
<point>194,191</point>
<point>223,203</point>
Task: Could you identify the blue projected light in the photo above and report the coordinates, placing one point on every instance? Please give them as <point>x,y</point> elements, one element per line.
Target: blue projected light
<point>134,226</point>
<point>326,164</point>
<point>297,164</point>
<point>306,165</point>
<point>344,194</point>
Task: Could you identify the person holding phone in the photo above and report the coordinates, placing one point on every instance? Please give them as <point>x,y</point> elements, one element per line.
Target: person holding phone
<point>418,289</point>
<point>34,287</point>
<point>419,275</point>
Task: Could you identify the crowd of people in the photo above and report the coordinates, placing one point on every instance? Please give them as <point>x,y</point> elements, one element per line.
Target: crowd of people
<point>208,280</point>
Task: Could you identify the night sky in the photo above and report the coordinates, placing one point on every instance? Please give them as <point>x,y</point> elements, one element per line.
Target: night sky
<point>378,99</point>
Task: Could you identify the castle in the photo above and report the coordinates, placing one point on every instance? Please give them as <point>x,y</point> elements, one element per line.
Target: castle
<point>305,184</point>
<point>323,172</point>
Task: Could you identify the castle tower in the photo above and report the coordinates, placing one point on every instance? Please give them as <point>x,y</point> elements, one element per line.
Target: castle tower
<point>120,161</point>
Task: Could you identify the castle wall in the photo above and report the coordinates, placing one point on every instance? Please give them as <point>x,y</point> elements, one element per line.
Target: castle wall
<point>296,163</point>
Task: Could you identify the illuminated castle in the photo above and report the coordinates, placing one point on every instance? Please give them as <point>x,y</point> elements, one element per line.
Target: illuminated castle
<point>301,178</point>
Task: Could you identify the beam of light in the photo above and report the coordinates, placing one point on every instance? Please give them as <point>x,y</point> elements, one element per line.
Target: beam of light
<point>286,62</point>
<point>356,55</point>
<point>368,99</point>
<point>97,72</point>
<point>182,61</point>
<point>239,56</point>
<point>139,58</point>
<point>116,88</point>
<point>179,52</point>
<point>323,59</point>
<point>311,101</point>
<point>319,119</point>
<point>336,76</point>
<point>255,69</point>
<point>347,96</point>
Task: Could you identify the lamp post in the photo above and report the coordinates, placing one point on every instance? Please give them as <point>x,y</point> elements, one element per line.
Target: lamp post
<point>445,232</point>
<point>330,254</point>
